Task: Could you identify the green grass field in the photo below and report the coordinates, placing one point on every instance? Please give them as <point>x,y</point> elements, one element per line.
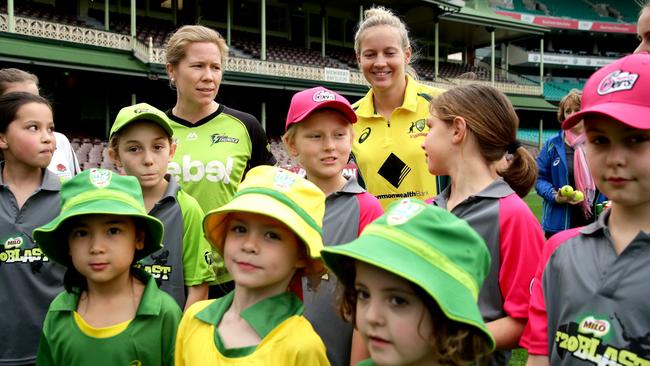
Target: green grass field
<point>519,356</point>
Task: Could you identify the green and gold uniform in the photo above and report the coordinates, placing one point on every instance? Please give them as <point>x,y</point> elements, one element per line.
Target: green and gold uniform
<point>287,337</point>
<point>389,152</point>
<point>148,339</point>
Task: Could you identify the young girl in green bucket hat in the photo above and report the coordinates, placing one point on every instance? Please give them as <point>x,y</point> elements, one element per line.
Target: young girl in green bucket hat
<point>410,286</point>
<point>111,313</point>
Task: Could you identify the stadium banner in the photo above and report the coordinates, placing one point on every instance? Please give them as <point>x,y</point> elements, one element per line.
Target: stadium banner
<point>584,25</point>
<point>337,75</point>
<point>570,60</point>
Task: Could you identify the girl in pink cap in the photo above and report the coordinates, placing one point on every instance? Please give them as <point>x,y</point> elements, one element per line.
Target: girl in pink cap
<point>319,134</point>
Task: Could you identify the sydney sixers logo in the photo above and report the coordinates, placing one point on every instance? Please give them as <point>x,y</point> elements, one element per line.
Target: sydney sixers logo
<point>617,81</point>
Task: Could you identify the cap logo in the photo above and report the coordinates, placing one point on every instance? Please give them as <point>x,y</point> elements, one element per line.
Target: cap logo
<point>617,81</point>
<point>283,180</point>
<point>403,212</point>
<point>323,96</point>
<point>100,178</point>
<point>141,110</point>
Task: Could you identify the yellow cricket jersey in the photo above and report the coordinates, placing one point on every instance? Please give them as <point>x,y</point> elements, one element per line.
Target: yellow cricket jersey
<point>389,153</point>
<point>287,337</point>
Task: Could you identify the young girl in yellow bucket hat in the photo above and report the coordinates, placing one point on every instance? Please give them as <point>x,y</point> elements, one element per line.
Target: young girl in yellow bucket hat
<point>270,237</point>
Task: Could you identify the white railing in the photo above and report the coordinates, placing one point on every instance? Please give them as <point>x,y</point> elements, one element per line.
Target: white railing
<point>149,54</point>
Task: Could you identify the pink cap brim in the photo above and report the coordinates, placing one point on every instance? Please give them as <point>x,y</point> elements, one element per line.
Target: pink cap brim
<point>632,115</point>
<point>332,104</point>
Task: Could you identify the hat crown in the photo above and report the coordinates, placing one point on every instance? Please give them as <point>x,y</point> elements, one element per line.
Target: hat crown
<point>442,232</point>
<point>93,181</point>
<point>626,80</point>
<point>138,112</point>
<point>299,191</point>
<point>307,101</point>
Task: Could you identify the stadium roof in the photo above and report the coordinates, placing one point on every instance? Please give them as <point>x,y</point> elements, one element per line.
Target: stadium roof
<point>454,26</point>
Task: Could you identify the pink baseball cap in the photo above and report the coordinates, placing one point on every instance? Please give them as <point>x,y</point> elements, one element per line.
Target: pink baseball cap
<point>620,90</point>
<point>307,101</point>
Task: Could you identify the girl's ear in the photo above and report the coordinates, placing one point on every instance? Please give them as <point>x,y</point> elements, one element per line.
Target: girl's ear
<point>459,129</point>
<point>3,141</point>
<point>407,55</point>
<point>139,238</point>
<point>115,157</point>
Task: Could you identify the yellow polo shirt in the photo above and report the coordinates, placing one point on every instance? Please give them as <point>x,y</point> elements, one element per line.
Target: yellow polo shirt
<point>389,153</point>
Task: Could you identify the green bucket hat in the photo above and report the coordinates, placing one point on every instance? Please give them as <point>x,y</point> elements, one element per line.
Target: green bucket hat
<point>429,247</point>
<point>140,112</point>
<point>97,191</point>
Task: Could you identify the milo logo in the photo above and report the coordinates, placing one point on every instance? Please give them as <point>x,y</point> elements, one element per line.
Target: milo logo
<point>591,325</point>
<point>617,81</point>
<point>13,243</point>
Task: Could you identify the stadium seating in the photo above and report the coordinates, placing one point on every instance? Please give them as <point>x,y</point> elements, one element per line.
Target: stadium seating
<point>597,10</point>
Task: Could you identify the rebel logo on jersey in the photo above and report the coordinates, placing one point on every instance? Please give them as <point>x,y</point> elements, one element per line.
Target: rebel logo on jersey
<point>394,170</point>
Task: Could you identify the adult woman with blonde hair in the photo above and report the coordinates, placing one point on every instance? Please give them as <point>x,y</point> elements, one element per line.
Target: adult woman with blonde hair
<point>216,144</point>
<point>561,162</point>
<point>392,116</point>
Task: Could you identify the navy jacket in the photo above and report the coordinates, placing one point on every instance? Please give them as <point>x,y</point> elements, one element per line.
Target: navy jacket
<point>552,174</point>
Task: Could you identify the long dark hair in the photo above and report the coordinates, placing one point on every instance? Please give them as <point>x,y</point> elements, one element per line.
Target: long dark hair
<point>11,102</point>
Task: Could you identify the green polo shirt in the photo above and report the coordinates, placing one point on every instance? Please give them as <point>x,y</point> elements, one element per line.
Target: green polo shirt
<point>148,340</point>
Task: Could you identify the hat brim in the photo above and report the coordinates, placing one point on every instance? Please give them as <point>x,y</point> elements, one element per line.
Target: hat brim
<point>54,243</point>
<point>455,300</point>
<point>626,113</point>
<point>331,104</point>
<point>215,229</point>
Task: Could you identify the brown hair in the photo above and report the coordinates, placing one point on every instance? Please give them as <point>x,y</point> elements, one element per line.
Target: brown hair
<point>452,342</point>
<point>177,44</point>
<point>493,122</point>
<point>11,75</point>
<point>377,16</point>
<point>570,100</point>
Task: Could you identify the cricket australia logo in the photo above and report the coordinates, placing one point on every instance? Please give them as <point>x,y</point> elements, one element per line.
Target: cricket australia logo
<point>220,137</point>
<point>284,180</point>
<point>617,81</point>
<point>100,178</point>
<point>419,125</point>
<point>403,212</point>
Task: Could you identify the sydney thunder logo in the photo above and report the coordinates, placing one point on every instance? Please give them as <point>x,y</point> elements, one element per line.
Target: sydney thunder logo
<point>218,137</point>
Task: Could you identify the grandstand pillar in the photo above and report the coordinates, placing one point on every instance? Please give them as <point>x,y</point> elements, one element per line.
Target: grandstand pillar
<point>323,27</point>
<point>263,28</point>
<point>229,23</point>
<point>263,116</point>
<point>106,17</point>
<point>436,49</point>
<point>541,130</point>
<point>541,66</point>
<point>10,16</point>
<point>133,32</point>
<point>493,51</point>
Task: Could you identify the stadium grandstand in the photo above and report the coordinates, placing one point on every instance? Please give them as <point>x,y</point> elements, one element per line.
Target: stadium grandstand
<point>94,57</point>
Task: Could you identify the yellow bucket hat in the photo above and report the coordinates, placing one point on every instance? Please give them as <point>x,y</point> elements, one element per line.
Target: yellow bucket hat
<point>279,194</point>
